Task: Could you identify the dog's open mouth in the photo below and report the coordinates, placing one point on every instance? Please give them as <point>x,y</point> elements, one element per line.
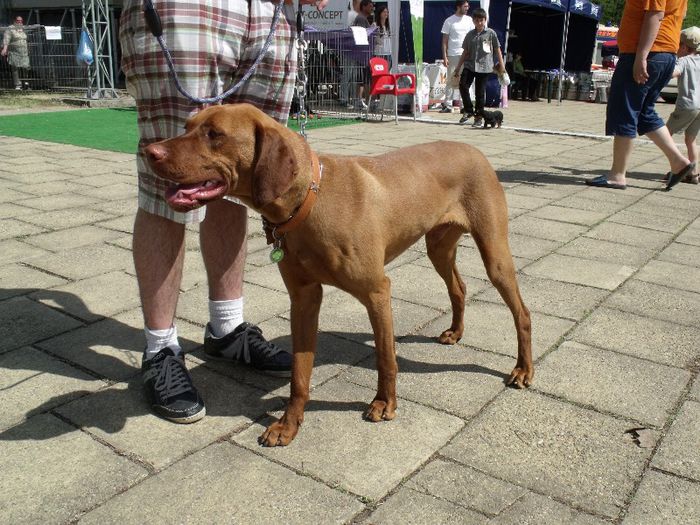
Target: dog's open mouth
<point>184,197</point>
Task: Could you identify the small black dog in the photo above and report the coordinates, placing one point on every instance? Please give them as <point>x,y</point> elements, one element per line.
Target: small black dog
<point>494,118</point>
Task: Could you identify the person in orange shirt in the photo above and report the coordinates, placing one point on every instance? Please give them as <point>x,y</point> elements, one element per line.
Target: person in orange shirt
<point>648,40</point>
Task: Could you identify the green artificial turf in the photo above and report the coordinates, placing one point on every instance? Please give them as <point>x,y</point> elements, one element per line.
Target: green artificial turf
<point>111,129</point>
<point>106,129</point>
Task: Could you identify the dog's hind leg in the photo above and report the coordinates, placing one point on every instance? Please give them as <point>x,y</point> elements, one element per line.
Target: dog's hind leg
<point>378,304</point>
<point>492,241</point>
<point>442,251</point>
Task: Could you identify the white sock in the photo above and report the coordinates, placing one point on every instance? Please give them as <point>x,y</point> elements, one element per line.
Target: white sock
<point>225,316</point>
<point>156,340</point>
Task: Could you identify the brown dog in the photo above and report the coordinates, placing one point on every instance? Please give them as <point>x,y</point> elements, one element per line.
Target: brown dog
<point>368,211</point>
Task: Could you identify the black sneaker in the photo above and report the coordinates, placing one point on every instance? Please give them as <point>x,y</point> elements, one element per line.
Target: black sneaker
<point>246,344</point>
<point>169,388</point>
<point>465,118</point>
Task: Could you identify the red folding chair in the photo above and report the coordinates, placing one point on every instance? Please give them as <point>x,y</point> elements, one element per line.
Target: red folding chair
<point>385,83</point>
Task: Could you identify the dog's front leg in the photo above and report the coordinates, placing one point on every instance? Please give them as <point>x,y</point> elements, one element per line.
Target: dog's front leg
<point>378,303</point>
<point>306,303</point>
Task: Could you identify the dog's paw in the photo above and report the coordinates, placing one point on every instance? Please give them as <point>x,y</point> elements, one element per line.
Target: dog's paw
<point>450,337</point>
<point>279,434</point>
<point>380,410</point>
<point>521,377</point>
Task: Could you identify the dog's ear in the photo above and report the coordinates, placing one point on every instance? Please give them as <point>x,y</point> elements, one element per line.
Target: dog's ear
<point>276,166</point>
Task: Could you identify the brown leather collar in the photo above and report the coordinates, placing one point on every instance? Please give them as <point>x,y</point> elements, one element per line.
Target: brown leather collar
<point>274,231</point>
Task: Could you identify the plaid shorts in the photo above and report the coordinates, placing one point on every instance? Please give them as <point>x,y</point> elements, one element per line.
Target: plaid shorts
<point>213,44</point>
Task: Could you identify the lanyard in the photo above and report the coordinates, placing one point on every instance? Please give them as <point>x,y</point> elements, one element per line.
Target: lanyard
<point>154,24</point>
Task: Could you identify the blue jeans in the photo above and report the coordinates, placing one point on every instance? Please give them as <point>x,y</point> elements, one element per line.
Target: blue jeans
<point>630,108</point>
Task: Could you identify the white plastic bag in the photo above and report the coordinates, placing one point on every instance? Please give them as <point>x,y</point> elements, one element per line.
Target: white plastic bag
<point>424,92</point>
<point>503,78</point>
<point>437,80</point>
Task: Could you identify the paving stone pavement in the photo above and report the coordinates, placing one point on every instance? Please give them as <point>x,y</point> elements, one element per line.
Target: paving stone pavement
<point>612,279</point>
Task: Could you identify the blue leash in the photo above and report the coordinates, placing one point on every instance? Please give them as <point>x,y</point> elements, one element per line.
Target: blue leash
<point>156,28</point>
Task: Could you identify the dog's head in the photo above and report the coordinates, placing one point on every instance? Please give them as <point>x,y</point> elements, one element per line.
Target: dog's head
<point>228,150</point>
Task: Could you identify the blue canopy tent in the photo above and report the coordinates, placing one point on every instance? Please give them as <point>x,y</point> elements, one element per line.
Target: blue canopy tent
<point>550,34</point>
<point>533,28</point>
<point>581,35</point>
<point>405,37</point>
<point>533,17</point>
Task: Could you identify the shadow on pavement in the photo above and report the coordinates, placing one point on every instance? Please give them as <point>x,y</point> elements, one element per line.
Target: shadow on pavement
<point>236,392</point>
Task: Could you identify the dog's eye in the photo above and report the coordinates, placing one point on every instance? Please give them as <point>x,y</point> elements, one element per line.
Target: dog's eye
<point>213,134</point>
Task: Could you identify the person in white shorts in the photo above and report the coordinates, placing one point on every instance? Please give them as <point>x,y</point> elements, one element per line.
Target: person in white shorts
<point>454,29</point>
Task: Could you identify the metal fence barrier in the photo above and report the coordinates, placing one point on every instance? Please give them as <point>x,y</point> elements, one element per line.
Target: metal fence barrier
<point>52,62</point>
<point>336,67</point>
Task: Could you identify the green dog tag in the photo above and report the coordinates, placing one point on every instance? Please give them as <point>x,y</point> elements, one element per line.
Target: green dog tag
<point>276,255</point>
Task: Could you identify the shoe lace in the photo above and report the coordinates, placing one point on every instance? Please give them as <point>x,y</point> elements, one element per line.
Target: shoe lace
<point>253,342</point>
<point>173,378</point>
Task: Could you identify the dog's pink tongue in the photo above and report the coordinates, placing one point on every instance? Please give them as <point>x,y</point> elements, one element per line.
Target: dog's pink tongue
<point>179,196</point>
<point>188,189</point>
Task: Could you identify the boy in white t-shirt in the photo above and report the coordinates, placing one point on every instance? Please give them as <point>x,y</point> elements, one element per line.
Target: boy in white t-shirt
<point>686,116</point>
<point>454,29</point>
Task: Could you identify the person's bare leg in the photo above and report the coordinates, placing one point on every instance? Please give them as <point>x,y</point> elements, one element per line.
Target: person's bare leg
<point>664,141</point>
<point>622,149</point>
<point>223,239</point>
<point>159,255</point>
<point>692,151</point>
<point>159,250</point>
<point>361,94</point>
<point>222,236</point>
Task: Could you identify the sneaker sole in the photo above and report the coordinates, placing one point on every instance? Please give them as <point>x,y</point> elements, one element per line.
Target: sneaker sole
<point>223,358</point>
<point>182,420</point>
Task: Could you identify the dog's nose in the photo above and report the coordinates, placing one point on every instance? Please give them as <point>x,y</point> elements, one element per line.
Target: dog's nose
<point>155,152</point>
